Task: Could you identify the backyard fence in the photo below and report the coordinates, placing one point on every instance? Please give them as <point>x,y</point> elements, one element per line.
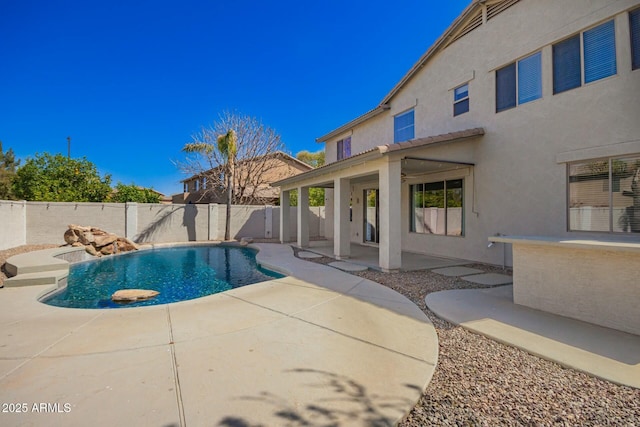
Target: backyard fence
<point>45,222</point>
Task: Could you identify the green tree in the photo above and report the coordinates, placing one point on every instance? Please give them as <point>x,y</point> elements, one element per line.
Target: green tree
<point>132,193</point>
<point>57,178</point>
<point>8,165</point>
<point>316,195</point>
<point>315,159</point>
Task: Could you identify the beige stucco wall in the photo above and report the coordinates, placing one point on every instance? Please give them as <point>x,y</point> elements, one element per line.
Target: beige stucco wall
<point>363,137</point>
<point>47,221</point>
<point>13,216</point>
<point>172,223</point>
<point>594,285</point>
<point>518,185</point>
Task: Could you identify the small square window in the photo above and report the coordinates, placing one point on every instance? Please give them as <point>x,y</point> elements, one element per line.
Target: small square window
<point>344,148</point>
<point>403,127</point>
<point>461,99</point>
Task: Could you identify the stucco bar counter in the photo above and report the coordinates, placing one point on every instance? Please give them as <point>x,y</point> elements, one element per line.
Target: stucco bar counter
<point>591,280</point>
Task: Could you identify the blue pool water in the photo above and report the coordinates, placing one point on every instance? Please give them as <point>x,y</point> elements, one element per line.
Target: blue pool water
<point>179,274</point>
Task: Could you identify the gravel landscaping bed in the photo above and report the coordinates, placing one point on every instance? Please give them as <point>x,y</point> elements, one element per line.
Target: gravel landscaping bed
<point>480,382</point>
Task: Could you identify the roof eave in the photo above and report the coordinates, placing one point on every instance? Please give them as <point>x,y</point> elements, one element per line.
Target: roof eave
<point>344,128</point>
<point>380,151</point>
<point>322,170</point>
<point>439,43</point>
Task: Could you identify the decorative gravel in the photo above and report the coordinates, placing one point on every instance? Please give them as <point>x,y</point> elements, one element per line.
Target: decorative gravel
<point>480,382</point>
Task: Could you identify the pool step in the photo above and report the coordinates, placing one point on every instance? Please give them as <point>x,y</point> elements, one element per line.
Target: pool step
<point>34,279</point>
<point>42,261</point>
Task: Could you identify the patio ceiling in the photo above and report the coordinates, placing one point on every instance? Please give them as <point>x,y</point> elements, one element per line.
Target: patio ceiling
<point>380,151</point>
<point>419,166</point>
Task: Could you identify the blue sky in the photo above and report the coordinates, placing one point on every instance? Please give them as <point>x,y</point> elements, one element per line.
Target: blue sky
<point>131,81</point>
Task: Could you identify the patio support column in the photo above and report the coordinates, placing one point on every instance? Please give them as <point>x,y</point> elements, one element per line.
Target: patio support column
<point>390,216</point>
<point>303,217</point>
<point>341,223</point>
<point>285,217</point>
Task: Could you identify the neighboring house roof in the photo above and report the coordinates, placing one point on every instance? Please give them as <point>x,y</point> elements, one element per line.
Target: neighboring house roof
<point>380,151</point>
<point>470,18</point>
<point>284,156</point>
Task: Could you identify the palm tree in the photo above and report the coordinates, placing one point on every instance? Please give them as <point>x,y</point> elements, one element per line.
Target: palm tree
<point>227,147</point>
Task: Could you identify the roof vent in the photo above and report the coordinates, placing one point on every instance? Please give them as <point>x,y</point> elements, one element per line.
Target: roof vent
<point>495,9</point>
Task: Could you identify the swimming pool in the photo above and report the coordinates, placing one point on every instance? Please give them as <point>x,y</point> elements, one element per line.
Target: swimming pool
<point>178,273</point>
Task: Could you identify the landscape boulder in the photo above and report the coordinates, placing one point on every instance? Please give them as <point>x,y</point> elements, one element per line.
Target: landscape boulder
<point>133,295</point>
<point>97,242</point>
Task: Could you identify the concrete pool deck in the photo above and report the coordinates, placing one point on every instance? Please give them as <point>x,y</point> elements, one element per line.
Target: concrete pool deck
<point>320,346</point>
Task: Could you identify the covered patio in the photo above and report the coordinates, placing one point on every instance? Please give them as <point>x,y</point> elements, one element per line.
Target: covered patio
<point>369,256</point>
<point>382,170</point>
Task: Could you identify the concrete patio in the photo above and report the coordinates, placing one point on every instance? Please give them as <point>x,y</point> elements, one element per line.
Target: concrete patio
<point>369,257</point>
<point>320,346</point>
<point>602,352</point>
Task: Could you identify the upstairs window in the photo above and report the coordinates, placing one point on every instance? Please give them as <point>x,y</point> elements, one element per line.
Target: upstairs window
<point>519,83</point>
<point>570,70</point>
<point>634,24</point>
<point>344,148</point>
<point>461,99</point>
<point>530,78</point>
<point>403,127</point>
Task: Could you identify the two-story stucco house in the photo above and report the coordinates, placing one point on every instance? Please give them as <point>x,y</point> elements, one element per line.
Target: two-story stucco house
<point>253,181</point>
<point>522,119</point>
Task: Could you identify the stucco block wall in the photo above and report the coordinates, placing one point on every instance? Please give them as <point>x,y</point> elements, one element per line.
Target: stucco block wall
<point>246,221</point>
<point>596,286</point>
<point>316,222</point>
<point>47,221</point>
<point>172,223</point>
<point>14,222</point>
<point>42,222</point>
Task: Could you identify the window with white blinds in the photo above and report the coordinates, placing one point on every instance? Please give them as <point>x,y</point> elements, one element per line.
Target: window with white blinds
<point>530,78</point>
<point>599,54</point>
<point>519,82</point>
<point>604,195</point>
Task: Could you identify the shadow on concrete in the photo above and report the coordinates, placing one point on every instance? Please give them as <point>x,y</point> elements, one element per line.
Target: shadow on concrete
<point>349,404</point>
<point>472,308</point>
